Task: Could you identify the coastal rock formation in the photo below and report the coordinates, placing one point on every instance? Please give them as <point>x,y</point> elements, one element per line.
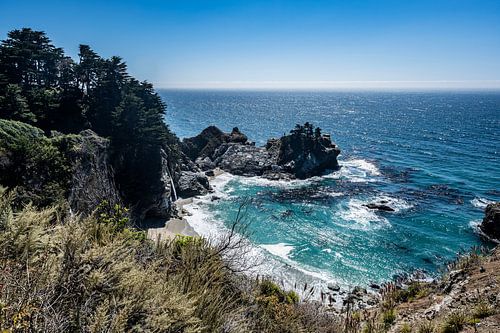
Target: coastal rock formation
<point>204,144</point>
<point>92,180</point>
<point>491,222</point>
<point>191,184</point>
<point>303,153</point>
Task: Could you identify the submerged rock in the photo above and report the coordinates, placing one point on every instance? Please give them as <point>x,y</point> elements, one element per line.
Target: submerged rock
<point>491,222</point>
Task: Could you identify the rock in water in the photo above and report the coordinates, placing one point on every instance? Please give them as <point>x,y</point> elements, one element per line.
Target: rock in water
<point>491,222</point>
<point>303,153</point>
<point>380,206</point>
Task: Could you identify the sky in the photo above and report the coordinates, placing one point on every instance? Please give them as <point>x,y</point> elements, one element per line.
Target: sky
<point>280,44</point>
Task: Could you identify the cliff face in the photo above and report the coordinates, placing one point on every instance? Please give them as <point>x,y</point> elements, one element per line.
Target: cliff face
<point>92,177</point>
<point>79,167</point>
<point>491,222</point>
<point>300,154</point>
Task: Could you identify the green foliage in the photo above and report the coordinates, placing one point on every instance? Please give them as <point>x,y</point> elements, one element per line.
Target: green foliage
<point>405,328</point>
<point>426,327</point>
<point>482,310</point>
<point>454,322</point>
<point>41,86</point>
<point>35,167</point>
<point>112,214</point>
<point>389,317</point>
<point>271,290</point>
<point>14,105</point>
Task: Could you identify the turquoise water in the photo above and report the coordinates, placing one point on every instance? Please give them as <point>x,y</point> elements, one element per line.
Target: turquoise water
<point>433,156</point>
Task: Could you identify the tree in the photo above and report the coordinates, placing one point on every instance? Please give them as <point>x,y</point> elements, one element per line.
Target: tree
<point>317,133</point>
<point>13,104</point>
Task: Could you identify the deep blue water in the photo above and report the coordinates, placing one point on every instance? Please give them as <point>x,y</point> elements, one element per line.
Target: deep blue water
<point>433,156</point>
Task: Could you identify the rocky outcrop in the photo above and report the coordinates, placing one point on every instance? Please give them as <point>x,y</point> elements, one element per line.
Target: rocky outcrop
<point>304,153</point>
<point>491,221</point>
<point>204,144</point>
<point>92,181</point>
<point>191,184</point>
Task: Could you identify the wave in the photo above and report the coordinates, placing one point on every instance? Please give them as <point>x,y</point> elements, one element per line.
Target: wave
<point>481,202</point>
<point>281,250</point>
<point>272,260</point>
<point>363,217</point>
<point>356,171</point>
<point>366,218</point>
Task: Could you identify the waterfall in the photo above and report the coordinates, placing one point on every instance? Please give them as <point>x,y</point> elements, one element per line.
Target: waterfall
<point>172,184</point>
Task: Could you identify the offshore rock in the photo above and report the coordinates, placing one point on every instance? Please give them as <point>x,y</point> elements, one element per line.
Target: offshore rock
<point>491,221</point>
<point>303,153</point>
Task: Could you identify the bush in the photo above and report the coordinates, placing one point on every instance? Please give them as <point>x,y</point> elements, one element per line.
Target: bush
<point>34,166</point>
<point>426,327</point>
<point>405,328</point>
<point>482,310</point>
<point>270,289</point>
<point>389,317</point>
<point>454,322</point>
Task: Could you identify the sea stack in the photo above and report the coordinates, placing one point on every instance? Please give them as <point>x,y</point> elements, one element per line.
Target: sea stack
<point>304,152</point>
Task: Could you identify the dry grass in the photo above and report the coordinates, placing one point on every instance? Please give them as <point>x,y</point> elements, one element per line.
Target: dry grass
<point>98,275</point>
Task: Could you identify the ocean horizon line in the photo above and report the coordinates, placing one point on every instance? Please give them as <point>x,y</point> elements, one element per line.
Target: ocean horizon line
<point>487,86</point>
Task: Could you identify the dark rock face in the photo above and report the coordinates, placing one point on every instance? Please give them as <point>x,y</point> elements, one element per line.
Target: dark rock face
<point>380,206</point>
<point>303,153</point>
<point>191,184</point>
<point>491,222</point>
<point>204,144</point>
<point>306,155</point>
<point>92,180</point>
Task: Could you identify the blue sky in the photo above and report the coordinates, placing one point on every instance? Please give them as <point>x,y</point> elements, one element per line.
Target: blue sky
<point>403,43</point>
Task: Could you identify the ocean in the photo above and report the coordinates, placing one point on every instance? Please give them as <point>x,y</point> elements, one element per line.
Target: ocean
<point>432,156</point>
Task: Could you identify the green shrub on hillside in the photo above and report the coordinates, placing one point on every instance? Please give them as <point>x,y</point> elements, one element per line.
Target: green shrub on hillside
<point>37,168</point>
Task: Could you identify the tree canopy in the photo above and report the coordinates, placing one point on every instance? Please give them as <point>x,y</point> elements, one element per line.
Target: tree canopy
<point>43,87</point>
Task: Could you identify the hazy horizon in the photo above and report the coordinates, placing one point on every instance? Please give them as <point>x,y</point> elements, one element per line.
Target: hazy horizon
<point>492,85</point>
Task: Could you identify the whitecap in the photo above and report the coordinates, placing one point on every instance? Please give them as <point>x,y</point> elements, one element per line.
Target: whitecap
<point>356,171</point>
<point>395,203</point>
<point>363,217</point>
<point>481,202</point>
<point>281,250</point>
<point>363,165</point>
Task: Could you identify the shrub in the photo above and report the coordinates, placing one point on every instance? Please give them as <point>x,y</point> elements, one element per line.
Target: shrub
<point>271,289</point>
<point>454,322</point>
<point>426,327</point>
<point>389,317</point>
<point>405,328</point>
<point>482,310</point>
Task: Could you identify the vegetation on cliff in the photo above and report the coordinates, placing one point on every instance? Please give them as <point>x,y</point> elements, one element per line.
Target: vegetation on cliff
<point>41,86</point>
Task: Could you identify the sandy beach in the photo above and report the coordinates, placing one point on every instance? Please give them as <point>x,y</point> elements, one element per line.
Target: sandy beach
<point>179,225</point>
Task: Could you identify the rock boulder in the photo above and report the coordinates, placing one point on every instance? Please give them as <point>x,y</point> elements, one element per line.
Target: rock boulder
<point>491,221</point>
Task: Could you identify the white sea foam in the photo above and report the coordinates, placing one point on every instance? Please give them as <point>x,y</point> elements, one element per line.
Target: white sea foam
<point>270,259</point>
<point>281,250</point>
<point>260,181</point>
<point>367,218</point>
<point>480,202</point>
<point>363,165</point>
<point>363,217</point>
<point>356,171</point>
<point>474,224</point>
<point>395,203</point>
